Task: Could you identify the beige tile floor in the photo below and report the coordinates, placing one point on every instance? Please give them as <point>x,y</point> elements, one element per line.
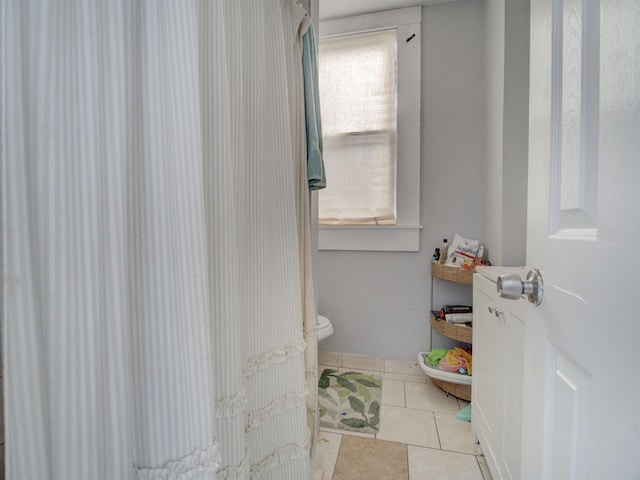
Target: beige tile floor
<point>415,415</point>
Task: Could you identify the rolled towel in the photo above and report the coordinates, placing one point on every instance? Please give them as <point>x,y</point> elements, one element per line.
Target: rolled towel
<point>454,364</point>
<point>455,359</point>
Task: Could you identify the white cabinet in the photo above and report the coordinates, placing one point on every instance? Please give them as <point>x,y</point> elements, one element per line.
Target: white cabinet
<point>498,345</point>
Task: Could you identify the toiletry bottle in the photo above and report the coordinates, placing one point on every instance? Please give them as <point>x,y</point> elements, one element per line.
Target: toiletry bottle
<point>443,251</point>
<point>436,255</point>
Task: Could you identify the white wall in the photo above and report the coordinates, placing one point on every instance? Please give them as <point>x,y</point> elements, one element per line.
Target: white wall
<point>378,302</point>
<point>507,103</point>
<point>494,98</point>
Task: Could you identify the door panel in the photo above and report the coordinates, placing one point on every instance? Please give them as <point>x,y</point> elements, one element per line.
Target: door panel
<point>570,402</point>
<point>582,344</point>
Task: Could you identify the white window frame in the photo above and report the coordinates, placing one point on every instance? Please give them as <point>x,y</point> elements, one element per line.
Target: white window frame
<point>405,235</point>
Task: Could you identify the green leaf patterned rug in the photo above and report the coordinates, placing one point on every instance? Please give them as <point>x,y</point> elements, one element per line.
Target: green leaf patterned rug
<point>349,401</point>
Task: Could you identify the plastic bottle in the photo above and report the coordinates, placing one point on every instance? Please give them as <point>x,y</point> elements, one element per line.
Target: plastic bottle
<point>443,251</point>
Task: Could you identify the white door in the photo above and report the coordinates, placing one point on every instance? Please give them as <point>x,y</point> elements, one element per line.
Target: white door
<point>581,402</point>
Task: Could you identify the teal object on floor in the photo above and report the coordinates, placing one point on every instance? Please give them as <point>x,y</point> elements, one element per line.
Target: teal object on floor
<point>465,414</point>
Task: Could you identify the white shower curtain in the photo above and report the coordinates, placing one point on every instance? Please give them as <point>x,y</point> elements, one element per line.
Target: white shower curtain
<point>156,280</point>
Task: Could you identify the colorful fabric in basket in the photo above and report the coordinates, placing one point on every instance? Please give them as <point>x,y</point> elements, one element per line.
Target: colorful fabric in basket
<point>456,360</point>
<point>434,356</point>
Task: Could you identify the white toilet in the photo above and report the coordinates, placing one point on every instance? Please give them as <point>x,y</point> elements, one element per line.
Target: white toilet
<point>325,329</point>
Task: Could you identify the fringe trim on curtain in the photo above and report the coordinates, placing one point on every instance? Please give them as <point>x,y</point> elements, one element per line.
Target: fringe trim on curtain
<point>200,461</point>
<point>232,406</point>
<point>279,405</point>
<point>277,355</point>
<point>233,472</point>
<point>280,456</point>
<point>239,472</point>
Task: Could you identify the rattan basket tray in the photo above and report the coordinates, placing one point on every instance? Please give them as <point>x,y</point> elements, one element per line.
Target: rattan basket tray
<point>458,332</point>
<point>460,391</point>
<point>453,274</point>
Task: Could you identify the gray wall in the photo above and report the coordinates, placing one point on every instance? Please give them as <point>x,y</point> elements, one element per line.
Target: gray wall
<point>378,302</point>
<point>507,84</point>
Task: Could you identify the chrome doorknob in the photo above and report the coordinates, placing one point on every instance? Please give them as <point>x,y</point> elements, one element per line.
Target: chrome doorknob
<point>511,286</point>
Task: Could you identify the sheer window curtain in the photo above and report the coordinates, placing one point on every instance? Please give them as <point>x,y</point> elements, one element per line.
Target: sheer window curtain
<point>156,290</point>
<point>358,84</point>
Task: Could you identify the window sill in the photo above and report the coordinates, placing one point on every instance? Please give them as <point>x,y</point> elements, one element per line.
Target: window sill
<point>392,238</point>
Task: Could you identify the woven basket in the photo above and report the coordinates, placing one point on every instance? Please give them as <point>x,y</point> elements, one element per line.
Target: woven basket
<point>460,391</point>
<point>458,332</point>
<point>453,274</point>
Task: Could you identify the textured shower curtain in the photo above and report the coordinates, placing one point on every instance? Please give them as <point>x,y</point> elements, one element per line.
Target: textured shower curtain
<point>157,290</point>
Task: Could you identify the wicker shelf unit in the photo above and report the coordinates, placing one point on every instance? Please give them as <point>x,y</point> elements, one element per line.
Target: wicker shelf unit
<point>460,333</point>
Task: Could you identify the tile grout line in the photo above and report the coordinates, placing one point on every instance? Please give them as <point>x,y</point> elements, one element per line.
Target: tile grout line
<point>404,394</point>
<point>406,450</point>
<point>437,429</point>
<point>480,467</point>
<point>337,458</point>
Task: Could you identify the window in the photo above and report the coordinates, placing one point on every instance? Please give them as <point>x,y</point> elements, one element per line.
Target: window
<point>369,74</point>
<point>358,85</point>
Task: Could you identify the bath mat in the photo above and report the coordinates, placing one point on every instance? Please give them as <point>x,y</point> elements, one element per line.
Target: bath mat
<point>349,400</point>
<point>363,458</point>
